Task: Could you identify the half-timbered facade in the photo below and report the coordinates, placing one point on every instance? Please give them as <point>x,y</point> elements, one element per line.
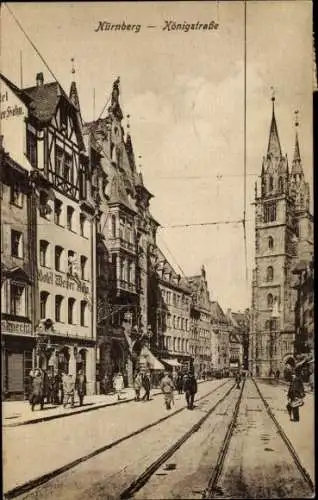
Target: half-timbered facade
<point>65,237</point>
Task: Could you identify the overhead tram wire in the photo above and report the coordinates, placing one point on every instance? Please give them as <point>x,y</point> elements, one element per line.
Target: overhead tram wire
<point>175,261</point>
<point>212,223</point>
<point>32,44</point>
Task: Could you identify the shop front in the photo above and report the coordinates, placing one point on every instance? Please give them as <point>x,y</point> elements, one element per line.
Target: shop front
<point>17,346</point>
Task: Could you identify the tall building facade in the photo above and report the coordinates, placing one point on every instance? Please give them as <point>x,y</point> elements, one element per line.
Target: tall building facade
<point>283,235</point>
<point>126,231</point>
<point>169,308</point>
<point>49,141</point>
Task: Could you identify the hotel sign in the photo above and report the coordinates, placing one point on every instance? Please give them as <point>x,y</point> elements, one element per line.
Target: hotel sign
<point>59,280</point>
<point>16,327</point>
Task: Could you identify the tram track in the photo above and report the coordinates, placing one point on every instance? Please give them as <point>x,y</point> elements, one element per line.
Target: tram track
<point>287,442</point>
<point>214,490</point>
<point>32,484</point>
<point>142,479</point>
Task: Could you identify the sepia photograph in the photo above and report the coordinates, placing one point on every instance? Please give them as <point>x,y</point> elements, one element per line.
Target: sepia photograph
<point>157,249</point>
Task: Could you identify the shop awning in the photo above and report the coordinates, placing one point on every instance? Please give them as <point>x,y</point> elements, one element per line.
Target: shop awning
<point>171,362</point>
<point>151,359</point>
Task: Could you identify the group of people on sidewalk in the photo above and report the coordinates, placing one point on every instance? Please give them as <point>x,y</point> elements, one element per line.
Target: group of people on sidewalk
<point>142,381</point>
<point>189,386</point>
<point>56,389</point>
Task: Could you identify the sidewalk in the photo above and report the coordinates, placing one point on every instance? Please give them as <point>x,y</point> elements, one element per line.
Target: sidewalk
<point>15,413</point>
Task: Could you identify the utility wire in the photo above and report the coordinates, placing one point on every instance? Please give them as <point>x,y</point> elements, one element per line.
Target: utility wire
<point>213,223</point>
<point>33,45</point>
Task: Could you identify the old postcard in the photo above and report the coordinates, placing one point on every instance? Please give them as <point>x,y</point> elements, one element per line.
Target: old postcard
<point>157,269</point>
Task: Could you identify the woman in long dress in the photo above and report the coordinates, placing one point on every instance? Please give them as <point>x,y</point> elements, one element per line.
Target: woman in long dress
<point>118,383</point>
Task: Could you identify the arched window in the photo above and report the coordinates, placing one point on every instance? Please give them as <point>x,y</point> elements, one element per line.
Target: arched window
<point>44,253</point>
<point>270,183</point>
<point>58,307</point>
<point>83,312</point>
<point>71,303</point>
<point>43,303</point>
<point>174,344</point>
<point>270,243</point>
<point>270,301</point>
<point>58,258</point>
<point>179,345</point>
<point>82,225</point>
<point>270,273</point>
<point>280,185</point>
<point>83,262</point>
<point>174,322</point>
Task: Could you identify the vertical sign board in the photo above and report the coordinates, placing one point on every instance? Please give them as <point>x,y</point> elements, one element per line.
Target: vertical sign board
<point>12,125</point>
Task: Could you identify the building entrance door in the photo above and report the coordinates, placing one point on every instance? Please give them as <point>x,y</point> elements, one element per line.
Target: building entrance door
<point>15,372</point>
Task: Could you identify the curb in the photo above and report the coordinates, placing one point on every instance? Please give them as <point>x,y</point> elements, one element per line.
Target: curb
<point>76,412</point>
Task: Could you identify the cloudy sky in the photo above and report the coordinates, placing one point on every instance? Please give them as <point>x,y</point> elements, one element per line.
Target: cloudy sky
<point>185,94</point>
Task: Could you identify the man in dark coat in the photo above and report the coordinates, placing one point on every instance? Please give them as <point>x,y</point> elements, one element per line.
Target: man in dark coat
<point>80,386</point>
<point>146,385</point>
<point>238,380</point>
<point>190,388</point>
<point>37,390</point>
<point>295,395</point>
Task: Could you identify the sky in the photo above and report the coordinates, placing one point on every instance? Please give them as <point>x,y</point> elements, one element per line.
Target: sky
<point>184,92</point>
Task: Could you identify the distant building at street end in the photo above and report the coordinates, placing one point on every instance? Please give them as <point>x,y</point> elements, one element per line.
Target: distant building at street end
<point>200,333</point>
<point>283,236</point>
<point>220,338</point>
<point>239,339</point>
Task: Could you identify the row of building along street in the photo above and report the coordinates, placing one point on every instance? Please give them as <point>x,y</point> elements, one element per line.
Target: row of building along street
<point>84,282</point>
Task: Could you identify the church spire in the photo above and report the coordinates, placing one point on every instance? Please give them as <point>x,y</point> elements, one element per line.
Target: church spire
<point>73,90</point>
<point>296,165</point>
<point>274,148</point>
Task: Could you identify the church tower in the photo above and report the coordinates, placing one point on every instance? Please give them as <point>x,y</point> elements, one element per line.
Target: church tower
<point>272,329</point>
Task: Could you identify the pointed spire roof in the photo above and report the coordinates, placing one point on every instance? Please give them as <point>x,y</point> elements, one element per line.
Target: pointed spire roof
<point>273,143</point>
<point>296,164</point>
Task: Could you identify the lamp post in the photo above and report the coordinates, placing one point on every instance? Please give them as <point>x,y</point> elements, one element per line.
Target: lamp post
<point>273,329</point>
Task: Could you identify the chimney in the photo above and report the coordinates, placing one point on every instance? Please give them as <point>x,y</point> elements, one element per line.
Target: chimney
<point>39,79</point>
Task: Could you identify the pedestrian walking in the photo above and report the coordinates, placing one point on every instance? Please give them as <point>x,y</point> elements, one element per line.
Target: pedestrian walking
<point>80,386</point>
<point>118,384</point>
<point>238,380</point>
<point>180,383</point>
<point>295,397</point>
<point>105,383</point>
<point>167,388</point>
<point>277,374</point>
<point>68,389</point>
<point>138,386</point>
<point>37,389</point>
<point>190,388</point>
<point>146,385</point>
